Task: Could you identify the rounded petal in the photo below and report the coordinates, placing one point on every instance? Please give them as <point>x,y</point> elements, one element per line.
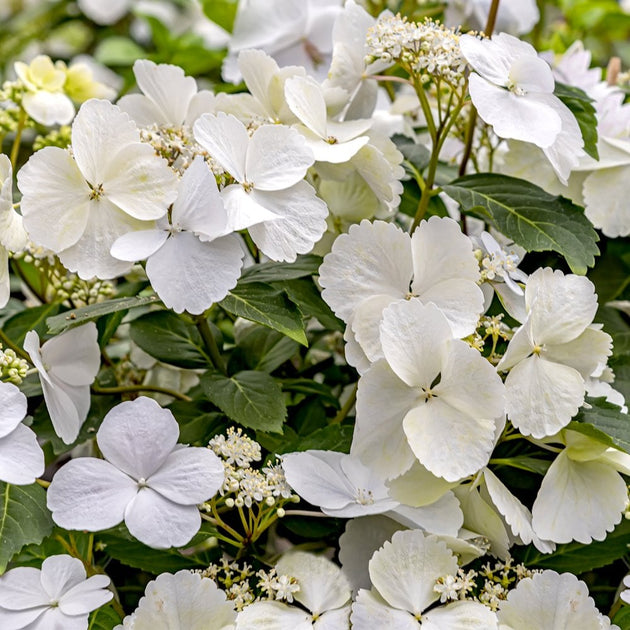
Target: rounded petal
<point>12,407</point>
<point>243,209</point>
<point>48,108</point>
<point>532,74</point>
<point>137,436</point>
<point>269,615</point>
<point>60,573</point>
<point>190,275</point>
<point>160,523</point>
<point>365,325</point>
<point>67,406</point>
<point>371,612</point>
<point>585,353</point>
<point>404,570</point>
<point>21,589</point>
<point>371,259</point>
<point>460,616</point>
<point>21,457</point>
<point>86,596</point>
<point>91,494</point>
<point>593,490</point>
<point>138,245</point>
<point>487,58</point>
<point>189,475</point>
<point>305,98</point>
<point>604,198</point>
<point>418,487</point>
<point>443,517</point>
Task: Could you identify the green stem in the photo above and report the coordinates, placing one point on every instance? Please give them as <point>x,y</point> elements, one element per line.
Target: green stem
<point>15,149</point>
<point>127,389</point>
<point>347,406</point>
<point>42,482</point>
<point>426,108</point>
<point>7,342</point>
<point>18,270</point>
<point>209,341</point>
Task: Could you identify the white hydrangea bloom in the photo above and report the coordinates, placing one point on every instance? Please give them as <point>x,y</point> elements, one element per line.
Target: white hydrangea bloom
<point>404,573</point>
<point>433,398</point>
<point>512,89</point>
<point>323,590</point>
<point>77,203</point>
<point>105,12</point>
<point>168,96</point>
<point>376,264</point>
<point>146,479</point>
<point>549,600</point>
<point>21,457</point>
<point>271,198</point>
<point>553,352</point>
<point>67,366</point>
<point>584,479</point>
<point>182,600</point>
<point>192,260</point>
<point>59,595</point>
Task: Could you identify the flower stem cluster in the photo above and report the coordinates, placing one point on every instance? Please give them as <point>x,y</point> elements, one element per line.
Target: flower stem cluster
<point>12,368</point>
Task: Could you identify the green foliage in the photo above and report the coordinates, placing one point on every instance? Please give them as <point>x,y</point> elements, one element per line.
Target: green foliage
<point>24,519</point>
<point>580,105</point>
<point>531,217</point>
<point>16,327</point>
<point>104,618</point>
<point>222,12</point>
<point>609,422</point>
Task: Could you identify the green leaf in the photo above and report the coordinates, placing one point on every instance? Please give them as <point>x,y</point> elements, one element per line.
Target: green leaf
<point>576,557</point>
<point>334,437</point>
<point>197,425</point>
<point>529,216</point>
<point>16,327</point>
<point>273,271</point>
<point>76,317</point>
<point>104,618</point>
<point>307,297</point>
<point>581,107</point>
<point>268,306</point>
<point>118,51</point>
<point>168,338</point>
<point>264,349</point>
<point>311,388</point>
<point>414,153</point>
<point>24,519</point>
<point>607,419</point>
<point>222,12</point>
<point>252,399</point>
<point>622,618</point>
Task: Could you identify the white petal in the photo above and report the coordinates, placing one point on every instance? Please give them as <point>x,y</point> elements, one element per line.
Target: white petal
<point>404,571</point>
<point>189,476</point>
<point>418,487</point>
<point>5,280</point>
<point>520,347</point>
<point>60,573</point>
<point>91,494</point>
<point>444,517</point>
<point>332,150</point>
<point>301,223</point>
<point>373,258</point>
<point>55,199</point>
<point>549,600</point>
<point>322,584</point>
<point>371,612</point>
<point>243,209</point>
<point>160,523</point>
<point>604,198</point>
<point>585,353</point>
<point>67,405</point>
<point>306,100</point>
<point>137,436</point>
<point>277,158</point>
<point>138,245</point>
<point>532,74</point>
<point>338,619</point>
<point>48,108</point>
<point>21,457</point>
<point>378,439</point>
<point>487,58</point>
<point>449,443</point>
<point>87,596</point>
<point>593,490</point>
<point>12,406</point>
<point>142,110</point>
<point>514,116</point>
<point>460,616</point>
<point>167,87</point>
<point>21,588</point>
<point>542,396</point>
<point>226,139</point>
<point>269,615</point>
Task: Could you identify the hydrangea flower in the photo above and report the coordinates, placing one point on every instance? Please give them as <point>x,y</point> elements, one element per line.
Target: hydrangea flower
<point>78,203</point>
<point>433,398</point>
<point>21,457</point>
<point>270,197</point>
<point>146,479</point>
<point>59,595</point>
<point>67,365</point>
<point>553,352</point>
<point>181,600</point>
<point>192,260</point>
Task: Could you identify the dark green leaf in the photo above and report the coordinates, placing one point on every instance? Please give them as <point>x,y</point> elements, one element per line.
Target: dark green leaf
<point>104,618</point>
<point>168,338</point>
<point>78,316</point>
<point>581,107</point>
<point>197,425</point>
<point>531,217</point>
<point>222,12</point>
<point>273,271</point>
<point>607,419</point>
<point>311,388</point>
<point>334,437</point>
<point>309,300</point>
<point>268,306</point>
<point>622,618</point>
<point>16,327</point>
<point>252,399</point>
<point>24,519</point>
<point>264,349</point>
<point>415,153</point>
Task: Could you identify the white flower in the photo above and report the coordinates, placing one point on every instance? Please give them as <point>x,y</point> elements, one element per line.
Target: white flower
<point>376,264</point>
<point>625,594</point>
<point>270,198</point>
<point>104,12</point>
<point>146,479</point>
<point>67,366</point>
<point>59,595</point>
<point>552,353</point>
<point>339,484</point>
<point>433,398</point>
<point>183,600</point>
<point>192,261</point>
<point>77,204</point>
<point>512,89</point>
<point>403,574</point>
<point>584,479</point>
<point>514,16</point>
<point>323,590</point>
<point>549,600</point>
<point>21,457</point>
<point>168,96</point>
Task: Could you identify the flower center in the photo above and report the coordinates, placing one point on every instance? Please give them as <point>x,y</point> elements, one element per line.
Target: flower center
<point>97,191</point>
<point>364,497</point>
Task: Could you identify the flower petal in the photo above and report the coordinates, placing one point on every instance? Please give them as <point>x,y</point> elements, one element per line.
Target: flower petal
<point>21,457</point>
<point>12,406</point>
<point>460,616</point>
